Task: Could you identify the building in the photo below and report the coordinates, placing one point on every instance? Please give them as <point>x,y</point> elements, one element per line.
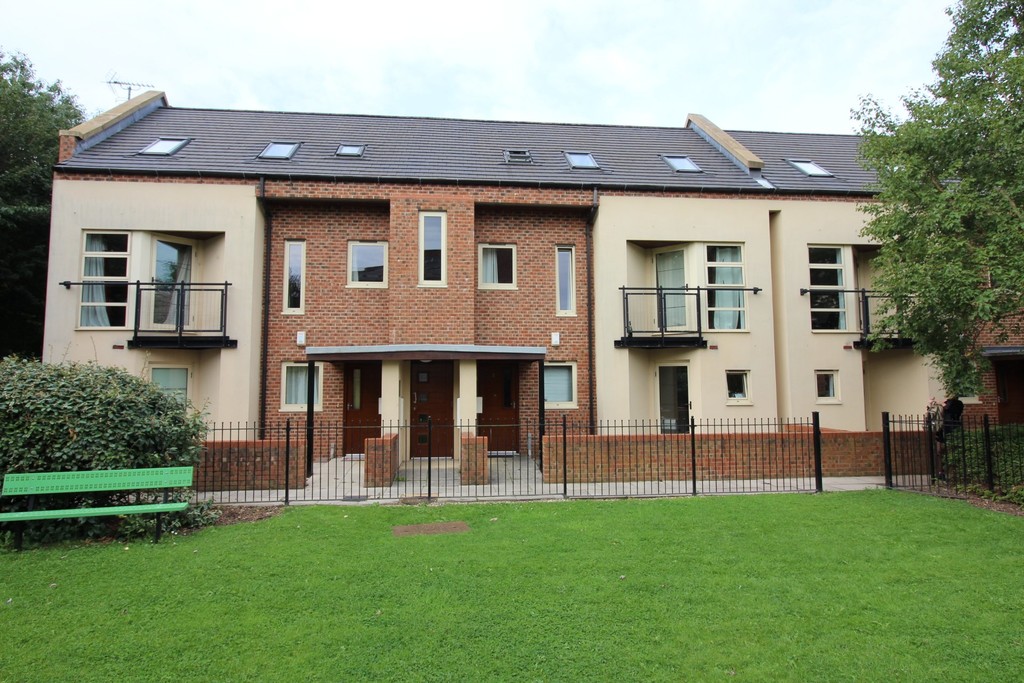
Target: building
<point>437,270</point>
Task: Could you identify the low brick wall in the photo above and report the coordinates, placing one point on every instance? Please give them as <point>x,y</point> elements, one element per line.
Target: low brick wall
<point>653,457</point>
<point>381,461</point>
<point>473,467</point>
<point>250,465</point>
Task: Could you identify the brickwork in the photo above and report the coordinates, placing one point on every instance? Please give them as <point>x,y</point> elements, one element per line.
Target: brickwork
<point>250,465</point>
<point>381,461</point>
<point>473,467</point>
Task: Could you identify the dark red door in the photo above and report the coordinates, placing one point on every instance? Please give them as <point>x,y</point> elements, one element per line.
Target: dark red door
<point>432,400</point>
<point>362,404</point>
<point>498,386</point>
<point>1010,386</point>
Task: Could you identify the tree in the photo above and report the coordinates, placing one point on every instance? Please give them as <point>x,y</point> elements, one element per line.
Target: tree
<point>950,210</point>
<point>31,114</point>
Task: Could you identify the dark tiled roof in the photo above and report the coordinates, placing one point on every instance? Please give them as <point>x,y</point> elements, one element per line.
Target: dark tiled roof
<point>838,154</point>
<point>441,150</point>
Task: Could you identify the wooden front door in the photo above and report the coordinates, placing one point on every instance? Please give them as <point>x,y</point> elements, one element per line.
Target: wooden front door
<point>362,405</point>
<point>432,399</point>
<point>498,386</point>
<point>1010,388</point>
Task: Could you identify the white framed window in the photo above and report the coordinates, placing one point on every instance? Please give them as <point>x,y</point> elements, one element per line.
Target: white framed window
<point>826,384</point>
<point>737,383</point>
<point>294,276</point>
<point>828,280</point>
<point>293,386</point>
<point>565,280</point>
<point>433,249</point>
<point>560,385</point>
<point>497,266</point>
<point>367,264</point>
<point>726,306</point>
<point>105,280</point>
<point>173,381</point>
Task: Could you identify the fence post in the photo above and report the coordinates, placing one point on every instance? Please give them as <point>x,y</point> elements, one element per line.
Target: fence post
<point>693,453</point>
<point>287,458</point>
<point>816,422</point>
<point>565,459</point>
<point>430,456</point>
<point>887,449</point>
<point>990,475</point>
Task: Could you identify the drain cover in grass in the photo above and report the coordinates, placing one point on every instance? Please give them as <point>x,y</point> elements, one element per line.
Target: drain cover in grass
<point>435,528</point>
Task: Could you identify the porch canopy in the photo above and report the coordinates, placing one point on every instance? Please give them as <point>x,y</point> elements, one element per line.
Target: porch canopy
<point>425,352</point>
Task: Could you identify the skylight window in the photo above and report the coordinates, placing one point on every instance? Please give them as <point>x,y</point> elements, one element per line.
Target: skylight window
<point>681,164</point>
<point>581,160</point>
<point>350,150</point>
<point>279,150</point>
<point>518,156</point>
<point>810,168</point>
<point>165,146</point>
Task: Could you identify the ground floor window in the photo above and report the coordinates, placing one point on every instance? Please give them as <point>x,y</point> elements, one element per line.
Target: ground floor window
<point>827,383</point>
<point>559,385</point>
<point>736,383</point>
<point>172,381</point>
<point>293,386</point>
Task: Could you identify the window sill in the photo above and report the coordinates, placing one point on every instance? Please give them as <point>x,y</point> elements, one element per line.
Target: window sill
<point>367,285</point>
<point>497,287</point>
<point>292,311</point>
<point>560,406</point>
<point>738,402</point>
<point>565,314</point>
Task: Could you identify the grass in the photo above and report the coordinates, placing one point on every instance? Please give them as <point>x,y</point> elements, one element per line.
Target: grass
<point>873,585</point>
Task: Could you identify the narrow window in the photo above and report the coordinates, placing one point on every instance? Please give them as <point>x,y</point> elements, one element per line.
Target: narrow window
<point>828,300</point>
<point>433,260</point>
<point>827,384</point>
<point>726,298</point>
<point>736,386</point>
<point>497,266</point>
<point>172,381</point>
<point>368,264</point>
<point>105,277</point>
<point>295,276</point>
<point>565,265</point>
<point>560,385</point>
<point>293,386</point>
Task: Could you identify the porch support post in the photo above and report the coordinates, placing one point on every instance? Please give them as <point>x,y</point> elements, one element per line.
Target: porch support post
<point>540,410</point>
<point>310,400</point>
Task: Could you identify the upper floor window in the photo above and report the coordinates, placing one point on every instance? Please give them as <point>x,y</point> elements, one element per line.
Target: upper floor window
<point>565,280</point>
<point>726,307</point>
<point>433,259</point>
<point>105,277</point>
<point>497,266</point>
<point>368,264</point>
<point>295,276</point>
<point>828,301</point>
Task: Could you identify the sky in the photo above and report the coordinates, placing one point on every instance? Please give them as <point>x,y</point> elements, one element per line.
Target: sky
<point>789,65</point>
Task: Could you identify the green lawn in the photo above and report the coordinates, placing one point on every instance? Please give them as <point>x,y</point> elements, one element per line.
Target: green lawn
<point>865,586</point>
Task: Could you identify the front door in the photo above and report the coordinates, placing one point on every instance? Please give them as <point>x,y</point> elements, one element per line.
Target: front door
<point>432,401</point>
<point>673,399</point>
<point>172,271</point>
<point>362,405</point>
<point>498,387</point>
<point>1010,388</point>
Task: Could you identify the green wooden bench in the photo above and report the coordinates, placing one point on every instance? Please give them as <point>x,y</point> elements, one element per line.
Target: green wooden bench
<point>49,483</point>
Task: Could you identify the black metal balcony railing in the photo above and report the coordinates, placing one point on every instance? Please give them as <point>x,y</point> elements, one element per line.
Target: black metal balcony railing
<point>667,317</point>
<point>182,315</point>
<point>867,306</point>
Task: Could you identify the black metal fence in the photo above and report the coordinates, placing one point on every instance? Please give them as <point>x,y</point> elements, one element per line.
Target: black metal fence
<point>288,462</point>
<point>924,454</point>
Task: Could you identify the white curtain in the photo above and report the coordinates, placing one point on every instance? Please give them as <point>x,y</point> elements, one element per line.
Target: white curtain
<point>728,319</point>
<point>94,316</point>
<point>490,266</point>
<point>295,385</point>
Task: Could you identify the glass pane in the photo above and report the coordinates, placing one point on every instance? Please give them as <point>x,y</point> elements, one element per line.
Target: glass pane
<point>295,257</point>
<point>295,385</point>
<point>172,381</point>
<point>828,320</point>
<point>105,294</point>
<point>673,399</point>
<point>682,164</point>
<point>111,266</point>
<point>826,277</point>
<point>826,385</point>
<point>558,386</point>
<point>173,262</point>
<point>725,275</point>
<point>581,160</point>
<point>826,299</point>
<point>736,384</point>
<point>103,316</point>
<point>722,254</point>
<point>367,263</point>
<point>95,242</point>
<point>433,237</point>
<point>565,277</point>
<point>497,265</point>
<point>825,255</point>
<point>279,150</point>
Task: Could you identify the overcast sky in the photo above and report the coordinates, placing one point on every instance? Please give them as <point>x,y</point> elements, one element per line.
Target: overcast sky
<point>798,65</point>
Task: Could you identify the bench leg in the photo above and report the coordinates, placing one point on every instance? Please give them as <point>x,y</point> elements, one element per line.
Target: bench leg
<point>156,534</point>
<point>19,535</point>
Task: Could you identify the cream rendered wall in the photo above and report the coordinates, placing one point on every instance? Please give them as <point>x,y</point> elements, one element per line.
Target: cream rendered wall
<point>618,261</point>
<point>895,381</point>
<point>225,381</point>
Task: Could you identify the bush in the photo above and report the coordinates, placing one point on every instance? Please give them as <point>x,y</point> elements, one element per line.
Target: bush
<point>75,416</point>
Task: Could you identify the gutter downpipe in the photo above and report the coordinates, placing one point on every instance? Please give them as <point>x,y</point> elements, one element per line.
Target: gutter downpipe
<point>268,231</point>
<point>591,219</point>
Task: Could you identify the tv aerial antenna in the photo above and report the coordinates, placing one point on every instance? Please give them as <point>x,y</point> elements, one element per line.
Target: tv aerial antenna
<point>127,86</point>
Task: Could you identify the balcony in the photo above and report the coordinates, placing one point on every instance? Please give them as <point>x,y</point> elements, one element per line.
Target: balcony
<point>660,318</point>
<point>867,306</point>
<point>182,315</point>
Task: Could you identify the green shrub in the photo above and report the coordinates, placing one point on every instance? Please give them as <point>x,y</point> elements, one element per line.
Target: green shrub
<point>75,416</point>
<point>965,457</point>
